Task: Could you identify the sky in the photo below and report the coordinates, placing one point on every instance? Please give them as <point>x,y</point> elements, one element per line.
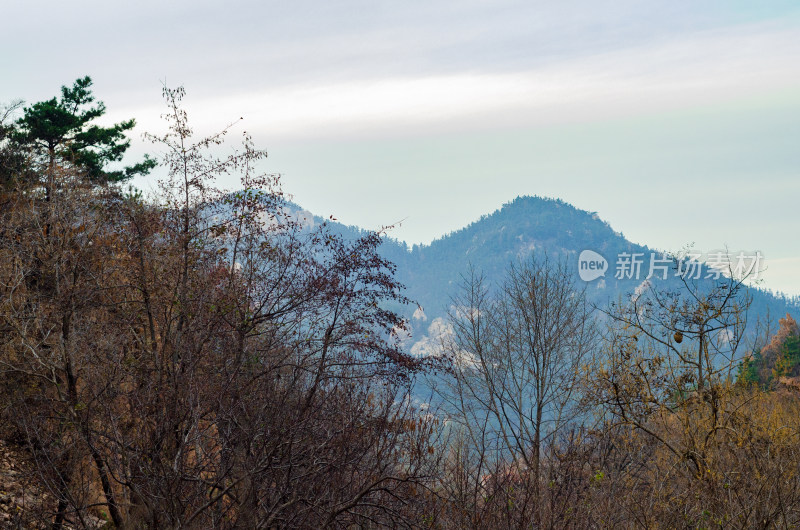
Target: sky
<point>677,122</point>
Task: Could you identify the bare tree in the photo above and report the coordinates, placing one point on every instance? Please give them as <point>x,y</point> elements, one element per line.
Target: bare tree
<point>516,356</point>
<point>668,350</point>
<point>268,388</point>
<point>205,360</point>
<point>690,447</point>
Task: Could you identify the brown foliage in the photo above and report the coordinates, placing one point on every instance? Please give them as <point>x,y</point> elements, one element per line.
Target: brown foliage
<point>207,361</point>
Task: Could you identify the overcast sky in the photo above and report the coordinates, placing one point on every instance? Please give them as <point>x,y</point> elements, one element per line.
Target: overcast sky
<point>678,122</point>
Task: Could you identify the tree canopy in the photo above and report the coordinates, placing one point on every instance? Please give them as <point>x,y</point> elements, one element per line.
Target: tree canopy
<point>63,130</point>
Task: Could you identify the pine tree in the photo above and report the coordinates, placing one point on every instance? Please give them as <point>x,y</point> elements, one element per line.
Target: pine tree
<point>62,131</point>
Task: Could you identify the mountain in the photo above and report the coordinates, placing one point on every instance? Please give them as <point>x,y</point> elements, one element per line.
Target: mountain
<point>520,228</point>
<point>432,273</point>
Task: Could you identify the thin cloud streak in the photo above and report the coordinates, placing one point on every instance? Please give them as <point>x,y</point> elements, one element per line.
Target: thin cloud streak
<point>733,64</point>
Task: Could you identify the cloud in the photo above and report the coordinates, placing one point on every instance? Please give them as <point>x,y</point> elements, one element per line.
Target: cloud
<point>686,71</point>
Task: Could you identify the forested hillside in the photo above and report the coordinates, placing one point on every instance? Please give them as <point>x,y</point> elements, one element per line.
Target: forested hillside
<point>522,228</point>
<point>203,358</point>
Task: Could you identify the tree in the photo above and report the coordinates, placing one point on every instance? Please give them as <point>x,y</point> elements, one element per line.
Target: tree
<point>61,256</point>
<point>61,130</point>
<point>669,349</point>
<point>303,414</point>
<point>54,321</point>
<point>14,166</point>
<point>206,361</point>
<point>516,355</point>
<point>698,448</point>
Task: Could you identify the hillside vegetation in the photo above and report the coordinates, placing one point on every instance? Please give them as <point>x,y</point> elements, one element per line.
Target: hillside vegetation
<point>201,359</point>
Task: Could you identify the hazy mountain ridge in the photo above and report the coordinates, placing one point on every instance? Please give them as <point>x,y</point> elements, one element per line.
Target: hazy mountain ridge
<point>514,231</point>
<point>432,273</point>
